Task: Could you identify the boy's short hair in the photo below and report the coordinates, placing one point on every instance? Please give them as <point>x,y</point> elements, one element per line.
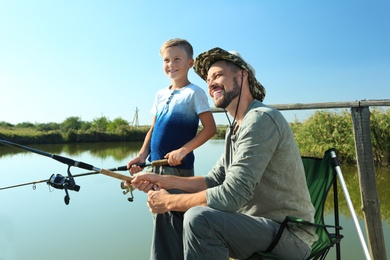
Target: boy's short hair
<point>184,44</point>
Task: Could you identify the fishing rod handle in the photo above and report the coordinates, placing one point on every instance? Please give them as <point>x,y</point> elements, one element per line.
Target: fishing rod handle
<point>120,168</point>
<point>142,165</point>
<point>116,175</point>
<point>154,163</point>
<point>160,162</point>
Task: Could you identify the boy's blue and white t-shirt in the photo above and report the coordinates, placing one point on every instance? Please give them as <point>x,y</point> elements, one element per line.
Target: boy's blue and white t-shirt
<point>177,121</point>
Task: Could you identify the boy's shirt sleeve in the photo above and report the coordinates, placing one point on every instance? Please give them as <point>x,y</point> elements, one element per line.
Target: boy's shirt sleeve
<point>200,101</point>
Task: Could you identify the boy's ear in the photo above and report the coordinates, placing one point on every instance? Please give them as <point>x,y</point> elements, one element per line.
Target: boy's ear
<point>191,63</point>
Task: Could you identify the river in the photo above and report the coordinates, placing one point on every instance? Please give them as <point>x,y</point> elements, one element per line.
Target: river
<point>99,222</point>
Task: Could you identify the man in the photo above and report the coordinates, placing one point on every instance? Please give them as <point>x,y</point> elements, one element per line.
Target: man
<point>237,208</point>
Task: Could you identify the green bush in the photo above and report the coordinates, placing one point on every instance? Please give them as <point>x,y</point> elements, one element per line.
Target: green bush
<point>325,129</point>
<point>380,132</point>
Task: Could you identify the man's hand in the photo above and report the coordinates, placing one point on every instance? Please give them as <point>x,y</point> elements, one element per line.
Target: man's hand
<point>145,181</point>
<point>157,201</point>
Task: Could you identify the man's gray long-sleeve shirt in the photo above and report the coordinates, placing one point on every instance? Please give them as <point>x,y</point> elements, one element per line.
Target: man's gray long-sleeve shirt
<point>261,172</point>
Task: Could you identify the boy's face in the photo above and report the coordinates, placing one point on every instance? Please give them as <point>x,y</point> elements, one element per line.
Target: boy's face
<point>176,63</point>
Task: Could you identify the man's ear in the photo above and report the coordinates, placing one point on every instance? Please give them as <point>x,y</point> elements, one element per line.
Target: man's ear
<point>244,74</point>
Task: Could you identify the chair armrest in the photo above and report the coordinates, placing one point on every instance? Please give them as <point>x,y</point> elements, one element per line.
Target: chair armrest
<point>299,221</point>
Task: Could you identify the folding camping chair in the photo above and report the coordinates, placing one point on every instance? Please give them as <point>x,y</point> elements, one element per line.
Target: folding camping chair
<point>320,176</point>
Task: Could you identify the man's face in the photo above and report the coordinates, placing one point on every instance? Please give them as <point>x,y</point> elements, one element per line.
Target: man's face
<point>223,84</point>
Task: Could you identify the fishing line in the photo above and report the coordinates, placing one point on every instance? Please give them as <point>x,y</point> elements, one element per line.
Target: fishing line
<point>67,183</point>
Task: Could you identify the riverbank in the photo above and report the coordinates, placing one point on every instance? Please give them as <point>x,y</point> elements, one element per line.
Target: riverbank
<point>32,135</point>
<point>321,131</point>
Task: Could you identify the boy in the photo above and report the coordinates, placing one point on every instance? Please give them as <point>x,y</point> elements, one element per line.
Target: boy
<point>177,110</point>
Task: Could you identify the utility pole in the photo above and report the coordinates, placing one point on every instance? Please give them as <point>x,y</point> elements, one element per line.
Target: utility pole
<point>135,122</point>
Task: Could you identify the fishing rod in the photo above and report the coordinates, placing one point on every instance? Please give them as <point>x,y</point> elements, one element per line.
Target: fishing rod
<point>58,178</point>
<point>68,183</point>
<point>121,168</point>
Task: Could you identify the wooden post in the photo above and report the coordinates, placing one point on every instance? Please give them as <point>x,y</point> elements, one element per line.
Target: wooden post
<point>367,181</point>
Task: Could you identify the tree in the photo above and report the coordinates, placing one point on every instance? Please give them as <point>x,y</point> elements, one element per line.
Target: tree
<point>71,123</point>
<point>100,124</point>
<point>117,125</point>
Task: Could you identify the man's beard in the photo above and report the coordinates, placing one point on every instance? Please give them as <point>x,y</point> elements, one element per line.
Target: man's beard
<point>228,97</point>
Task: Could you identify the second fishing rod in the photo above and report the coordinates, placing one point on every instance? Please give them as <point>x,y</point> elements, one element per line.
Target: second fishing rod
<point>68,183</point>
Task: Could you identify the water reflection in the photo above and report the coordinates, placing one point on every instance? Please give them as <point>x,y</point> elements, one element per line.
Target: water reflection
<point>118,151</point>
<point>99,223</point>
<point>351,177</point>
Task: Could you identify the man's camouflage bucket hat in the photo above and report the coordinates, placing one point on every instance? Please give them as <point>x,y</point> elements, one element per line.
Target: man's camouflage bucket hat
<point>204,61</point>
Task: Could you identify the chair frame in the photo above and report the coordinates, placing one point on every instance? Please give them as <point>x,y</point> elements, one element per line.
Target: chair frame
<point>334,238</point>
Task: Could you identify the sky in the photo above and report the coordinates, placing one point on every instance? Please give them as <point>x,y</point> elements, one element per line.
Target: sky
<point>91,58</point>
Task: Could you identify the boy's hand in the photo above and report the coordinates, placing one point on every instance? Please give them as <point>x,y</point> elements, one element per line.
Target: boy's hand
<point>132,165</point>
<point>175,157</point>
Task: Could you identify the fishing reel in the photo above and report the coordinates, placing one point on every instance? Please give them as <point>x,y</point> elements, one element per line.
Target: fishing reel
<point>66,183</point>
<point>127,189</point>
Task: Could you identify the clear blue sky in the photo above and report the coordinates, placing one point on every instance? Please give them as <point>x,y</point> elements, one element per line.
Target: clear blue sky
<point>101,58</point>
